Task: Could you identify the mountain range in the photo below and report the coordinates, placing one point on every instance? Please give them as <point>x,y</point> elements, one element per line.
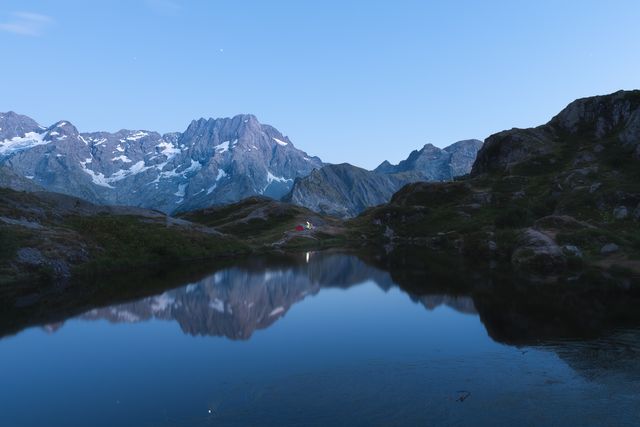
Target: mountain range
<point>213,162</point>
<point>345,190</point>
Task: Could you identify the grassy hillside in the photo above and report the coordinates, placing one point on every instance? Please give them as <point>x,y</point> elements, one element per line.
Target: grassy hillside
<point>46,235</point>
<point>561,196</point>
<point>267,224</point>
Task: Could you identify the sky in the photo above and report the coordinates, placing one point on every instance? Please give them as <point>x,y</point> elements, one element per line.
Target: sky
<point>348,81</point>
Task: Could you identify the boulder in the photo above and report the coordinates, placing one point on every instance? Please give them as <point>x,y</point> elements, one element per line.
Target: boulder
<point>609,248</point>
<point>620,212</point>
<point>30,256</point>
<point>538,252</point>
<point>572,250</point>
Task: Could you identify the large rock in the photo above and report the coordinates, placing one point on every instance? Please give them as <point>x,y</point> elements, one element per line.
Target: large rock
<point>599,117</point>
<point>609,248</point>
<point>538,252</point>
<point>620,212</point>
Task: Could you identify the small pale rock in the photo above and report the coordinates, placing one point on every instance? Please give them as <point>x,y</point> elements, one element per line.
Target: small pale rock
<point>609,248</point>
<point>30,256</point>
<point>621,212</point>
<point>572,250</point>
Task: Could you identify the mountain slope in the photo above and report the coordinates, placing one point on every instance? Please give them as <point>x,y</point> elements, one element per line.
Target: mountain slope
<point>50,236</point>
<point>561,195</point>
<point>344,190</point>
<point>214,161</point>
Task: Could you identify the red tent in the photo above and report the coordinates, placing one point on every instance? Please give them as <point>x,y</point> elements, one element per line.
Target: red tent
<point>299,228</point>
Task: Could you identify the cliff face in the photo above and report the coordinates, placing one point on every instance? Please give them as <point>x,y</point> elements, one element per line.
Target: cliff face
<point>599,120</point>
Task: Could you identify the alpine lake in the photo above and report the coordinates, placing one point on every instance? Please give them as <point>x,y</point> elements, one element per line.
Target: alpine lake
<point>320,339</point>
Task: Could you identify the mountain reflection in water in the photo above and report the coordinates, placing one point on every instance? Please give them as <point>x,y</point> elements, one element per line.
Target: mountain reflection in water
<point>237,301</point>
<point>400,338</point>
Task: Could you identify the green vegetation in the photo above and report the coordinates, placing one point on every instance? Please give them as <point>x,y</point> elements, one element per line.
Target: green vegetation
<point>123,242</point>
<point>262,222</point>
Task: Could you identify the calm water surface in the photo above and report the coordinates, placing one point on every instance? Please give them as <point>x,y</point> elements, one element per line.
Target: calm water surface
<point>328,341</point>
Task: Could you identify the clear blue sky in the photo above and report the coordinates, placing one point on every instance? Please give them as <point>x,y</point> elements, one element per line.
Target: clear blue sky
<point>360,81</point>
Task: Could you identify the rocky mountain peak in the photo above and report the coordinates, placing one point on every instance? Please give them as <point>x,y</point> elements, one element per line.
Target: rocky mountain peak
<point>602,116</point>
<point>603,119</point>
<point>61,130</point>
<point>14,125</point>
<point>435,163</point>
<point>214,161</point>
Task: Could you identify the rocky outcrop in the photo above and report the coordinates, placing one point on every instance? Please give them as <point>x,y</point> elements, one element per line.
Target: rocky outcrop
<point>603,120</point>
<point>538,252</point>
<point>214,161</point>
<point>562,194</point>
<point>14,181</point>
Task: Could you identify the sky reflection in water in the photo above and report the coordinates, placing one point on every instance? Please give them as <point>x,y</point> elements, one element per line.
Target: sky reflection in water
<point>334,341</point>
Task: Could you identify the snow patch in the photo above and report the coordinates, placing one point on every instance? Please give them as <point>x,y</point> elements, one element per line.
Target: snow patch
<point>122,158</point>
<point>168,149</point>
<point>276,311</point>
<point>119,148</point>
<point>125,315</point>
<point>137,135</point>
<point>181,190</point>
<point>217,305</point>
<point>97,178</point>
<point>271,177</point>
<point>193,167</point>
<point>222,147</point>
<point>160,303</point>
<point>221,174</point>
<point>20,143</point>
<point>280,142</point>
